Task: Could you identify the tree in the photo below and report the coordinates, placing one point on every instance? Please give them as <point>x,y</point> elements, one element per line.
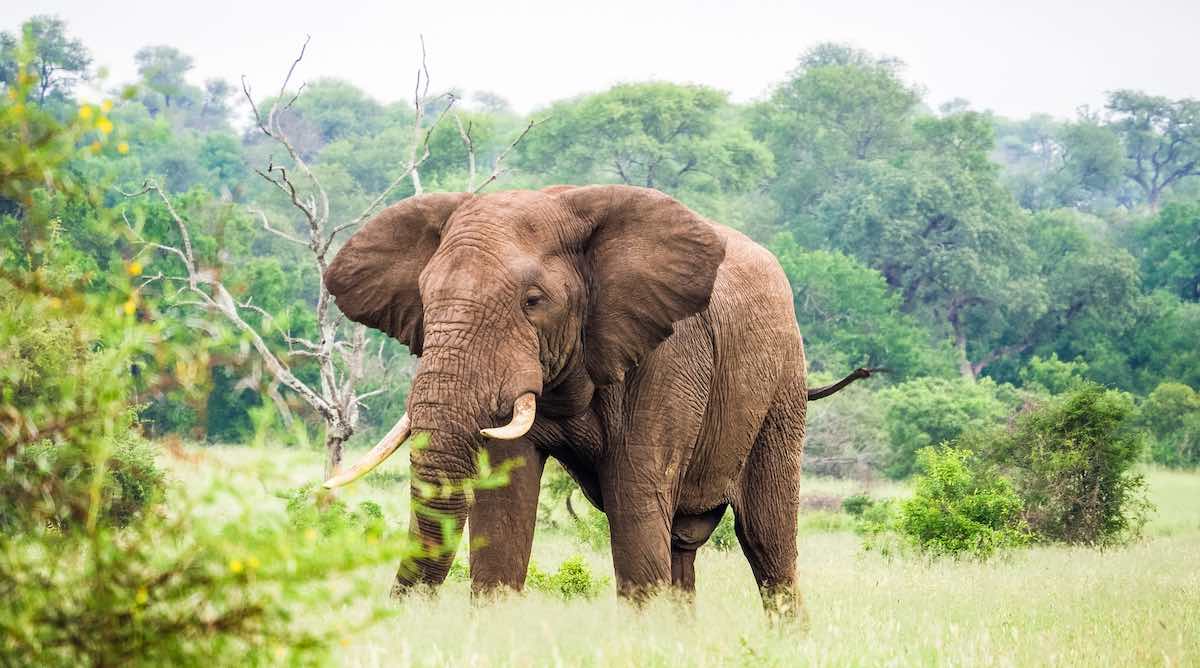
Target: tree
<point>851,317</point>
<point>1161,139</point>
<point>658,135</point>
<point>1169,245</point>
<point>838,108</point>
<point>58,61</point>
<point>164,70</point>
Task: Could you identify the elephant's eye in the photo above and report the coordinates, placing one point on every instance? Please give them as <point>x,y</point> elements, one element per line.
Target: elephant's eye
<point>533,299</point>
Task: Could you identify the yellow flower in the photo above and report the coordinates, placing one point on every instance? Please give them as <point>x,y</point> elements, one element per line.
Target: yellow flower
<point>122,148</point>
<point>95,147</point>
<point>344,641</point>
<point>55,302</point>
<point>135,268</point>
<point>85,112</point>
<point>310,534</point>
<point>280,652</point>
<point>142,596</point>
<point>235,566</point>
<point>253,562</point>
<point>106,106</point>
<point>104,125</point>
<point>130,307</point>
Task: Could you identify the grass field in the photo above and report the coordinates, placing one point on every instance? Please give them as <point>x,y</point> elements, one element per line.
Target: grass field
<point>1138,605</point>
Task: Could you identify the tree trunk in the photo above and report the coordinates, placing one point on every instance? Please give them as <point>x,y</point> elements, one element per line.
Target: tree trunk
<point>334,444</point>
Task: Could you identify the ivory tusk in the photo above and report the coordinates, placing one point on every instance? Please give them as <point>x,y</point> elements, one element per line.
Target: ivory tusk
<point>524,410</point>
<point>389,444</point>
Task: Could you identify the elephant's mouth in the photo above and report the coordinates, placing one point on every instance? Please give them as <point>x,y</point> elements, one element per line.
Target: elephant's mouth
<point>524,412</point>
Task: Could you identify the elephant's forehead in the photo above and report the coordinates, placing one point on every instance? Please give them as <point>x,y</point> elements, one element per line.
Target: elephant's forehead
<point>477,267</point>
<point>521,216</point>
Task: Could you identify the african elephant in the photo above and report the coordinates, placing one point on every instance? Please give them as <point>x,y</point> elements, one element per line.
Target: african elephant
<point>653,353</point>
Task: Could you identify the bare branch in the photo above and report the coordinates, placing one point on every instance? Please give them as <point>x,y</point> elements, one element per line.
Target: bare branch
<point>498,167</point>
<point>267,226</point>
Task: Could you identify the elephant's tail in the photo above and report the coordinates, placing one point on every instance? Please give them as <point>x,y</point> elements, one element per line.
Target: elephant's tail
<point>815,393</point>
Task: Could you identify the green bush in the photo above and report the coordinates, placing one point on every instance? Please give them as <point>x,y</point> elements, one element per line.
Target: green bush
<point>131,482</point>
<point>724,537</point>
<point>309,508</point>
<point>1072,459</point>
<point>1052,375</point>
<point>857,504</point>
<point>573,579</point>
<point>1171,417</point>
<point>960,507</point>
<point>931,411</point>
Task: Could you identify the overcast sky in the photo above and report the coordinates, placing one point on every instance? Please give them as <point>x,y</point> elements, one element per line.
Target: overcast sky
<point>1016,57</point>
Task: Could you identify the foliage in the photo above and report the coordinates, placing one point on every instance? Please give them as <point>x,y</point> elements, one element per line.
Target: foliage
<point>1052,375</point>
<point>1169,245</point>
<point>1171,418</point>
<point>679,139</point>
<point>1072,459</point>
<point>724,537</point>
<point>1161,138</point>
<point>960,507</point>
<point>307,508</point>
<point>573,579</point>
<point>931,411</point>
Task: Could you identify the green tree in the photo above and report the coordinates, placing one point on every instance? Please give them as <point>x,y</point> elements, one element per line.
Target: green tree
<point>851,317</point>
<point>1171,415</point>
<point>57,61</point>
<point>839,107</point>
<point>164,70</point>
<point>672,137</point>
<point>1169,245</point>
<point>1161,137</point>
<point>930,411</point>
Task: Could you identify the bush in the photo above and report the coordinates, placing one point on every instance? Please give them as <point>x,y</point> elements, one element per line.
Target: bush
<point>132,481</point>
<point>1052,375</point>
<point>573,579</point>
<point>1171,416</point>
<point>308,508</point>
<point>931,411</point>
<point>1072,461</point>
<point>724,537</point>
<point>857,504</point>
<point>959,507</point>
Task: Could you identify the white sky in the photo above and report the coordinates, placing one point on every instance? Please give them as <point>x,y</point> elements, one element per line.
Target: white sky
<point>1015,58</point>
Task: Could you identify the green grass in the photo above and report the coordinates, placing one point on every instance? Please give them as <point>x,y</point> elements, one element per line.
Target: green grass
<point>1138,605</point>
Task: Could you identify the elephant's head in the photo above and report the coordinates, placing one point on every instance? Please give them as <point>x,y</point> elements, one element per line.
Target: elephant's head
<point>519,304</point>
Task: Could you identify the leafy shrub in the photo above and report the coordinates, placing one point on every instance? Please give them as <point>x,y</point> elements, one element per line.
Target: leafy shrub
<point>960,507</point>
<point>573,579</point>
<point>857,504</point>
<point>1072,461</point>
<point>308,508</point>
<point>724,537</point>
<point>931,411</point>
<point>131,482</point>
<point>1171,416</point>
<point>1052,375</point>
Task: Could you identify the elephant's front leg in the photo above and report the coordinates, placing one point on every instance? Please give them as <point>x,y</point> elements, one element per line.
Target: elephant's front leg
<point>502,520</point>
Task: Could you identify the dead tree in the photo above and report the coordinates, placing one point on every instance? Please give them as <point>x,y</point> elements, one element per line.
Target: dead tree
<point>340,347</point>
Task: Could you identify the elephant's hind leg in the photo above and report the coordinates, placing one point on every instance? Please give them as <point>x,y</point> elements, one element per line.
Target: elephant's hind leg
<point>688,533</point>
<point>767,503</point>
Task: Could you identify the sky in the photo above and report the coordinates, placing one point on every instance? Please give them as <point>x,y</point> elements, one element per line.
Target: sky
<point>1015,58</point>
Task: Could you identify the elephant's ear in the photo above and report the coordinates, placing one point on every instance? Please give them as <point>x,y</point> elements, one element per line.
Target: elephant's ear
<point>374,277</point>
<point>653,262</point>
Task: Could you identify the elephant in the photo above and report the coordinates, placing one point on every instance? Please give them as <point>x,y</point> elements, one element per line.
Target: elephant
<point>651,352</point>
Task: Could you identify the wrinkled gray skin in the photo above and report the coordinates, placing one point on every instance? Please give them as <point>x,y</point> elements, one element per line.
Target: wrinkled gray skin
<point>663,350</point>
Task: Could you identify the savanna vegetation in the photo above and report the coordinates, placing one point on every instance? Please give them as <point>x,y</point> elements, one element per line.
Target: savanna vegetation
<point>1019,488</point>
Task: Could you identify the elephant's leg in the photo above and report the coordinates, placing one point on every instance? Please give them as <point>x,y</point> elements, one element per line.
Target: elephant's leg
<point>767,504</point>
<point>688,533</point>
<point>502,520</point>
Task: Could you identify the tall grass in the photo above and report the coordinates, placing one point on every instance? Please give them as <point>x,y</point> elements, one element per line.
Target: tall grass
<point>1138,605</point>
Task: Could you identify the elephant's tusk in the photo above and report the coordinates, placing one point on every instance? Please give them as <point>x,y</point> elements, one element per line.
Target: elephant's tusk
<point>390,443</point>
<point>524,410</point>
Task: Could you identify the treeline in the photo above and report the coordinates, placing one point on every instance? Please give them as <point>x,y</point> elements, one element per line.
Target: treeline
<point>986,261</point>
